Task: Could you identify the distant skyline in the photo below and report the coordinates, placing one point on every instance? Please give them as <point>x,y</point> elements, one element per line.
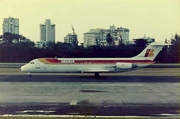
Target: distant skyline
<point>157,19</point>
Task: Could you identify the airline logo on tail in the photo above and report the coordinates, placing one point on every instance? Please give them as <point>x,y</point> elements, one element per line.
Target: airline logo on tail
<point>149,53</point>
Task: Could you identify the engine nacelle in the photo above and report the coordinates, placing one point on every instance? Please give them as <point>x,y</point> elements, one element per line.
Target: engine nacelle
<point>121,65</point>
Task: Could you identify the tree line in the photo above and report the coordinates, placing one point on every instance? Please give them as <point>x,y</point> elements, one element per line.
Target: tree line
<point>24,51</point>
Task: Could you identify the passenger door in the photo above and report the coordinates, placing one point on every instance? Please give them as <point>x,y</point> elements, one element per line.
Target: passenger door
<point>38,66</point>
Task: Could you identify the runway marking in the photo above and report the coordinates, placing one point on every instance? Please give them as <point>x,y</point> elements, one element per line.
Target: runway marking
<point>92,91</point>
<point>73,102</point>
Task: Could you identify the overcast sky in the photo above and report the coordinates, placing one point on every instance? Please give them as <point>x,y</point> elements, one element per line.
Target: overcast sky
<point>154,18</point>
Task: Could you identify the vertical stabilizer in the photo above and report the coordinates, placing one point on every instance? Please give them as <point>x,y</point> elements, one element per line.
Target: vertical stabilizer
<point>151,51</point>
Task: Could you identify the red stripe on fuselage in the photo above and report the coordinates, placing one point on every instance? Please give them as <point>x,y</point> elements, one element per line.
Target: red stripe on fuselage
<point>56,61</point>
<point>110,61</point>
<point>53,60</point>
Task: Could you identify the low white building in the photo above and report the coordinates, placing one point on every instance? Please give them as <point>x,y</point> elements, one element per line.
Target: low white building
<point>40,44</point>
<point>99,36</point>
<point>148,39</point>
<point>71,38</point>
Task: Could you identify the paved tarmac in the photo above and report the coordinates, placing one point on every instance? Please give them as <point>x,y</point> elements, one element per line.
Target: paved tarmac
<point>148,91</point>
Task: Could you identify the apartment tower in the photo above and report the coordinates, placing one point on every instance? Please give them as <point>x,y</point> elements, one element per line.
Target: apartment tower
<point>47,32</point>
<point>11,25</point>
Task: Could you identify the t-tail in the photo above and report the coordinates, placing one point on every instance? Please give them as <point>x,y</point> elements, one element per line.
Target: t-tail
<point>151,51</point>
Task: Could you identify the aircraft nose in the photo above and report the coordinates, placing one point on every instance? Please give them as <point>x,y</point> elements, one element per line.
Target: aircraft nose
<point>23,68</point>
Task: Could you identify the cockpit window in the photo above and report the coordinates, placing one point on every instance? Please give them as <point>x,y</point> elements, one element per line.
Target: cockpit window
<point>31,62</point>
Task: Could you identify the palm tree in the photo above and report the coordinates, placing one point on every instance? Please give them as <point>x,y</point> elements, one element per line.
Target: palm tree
<point>109,39</point>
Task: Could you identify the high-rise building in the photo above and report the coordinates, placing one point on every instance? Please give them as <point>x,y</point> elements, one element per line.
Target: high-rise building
<point>47,31</point>
<point>11,25</point>
<point>99,36</point>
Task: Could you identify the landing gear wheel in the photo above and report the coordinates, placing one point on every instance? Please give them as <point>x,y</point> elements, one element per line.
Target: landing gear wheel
<point>29,74</point>
<point>96,75</point>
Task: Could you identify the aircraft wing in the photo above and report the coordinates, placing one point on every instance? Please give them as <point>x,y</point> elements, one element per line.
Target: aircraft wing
<point>94,70</point>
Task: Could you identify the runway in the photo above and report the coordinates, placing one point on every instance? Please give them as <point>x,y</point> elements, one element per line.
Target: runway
<point>149,91</point>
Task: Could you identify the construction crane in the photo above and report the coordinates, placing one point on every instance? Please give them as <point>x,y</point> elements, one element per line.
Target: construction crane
<point>75,42</point>
<point>73,31</point>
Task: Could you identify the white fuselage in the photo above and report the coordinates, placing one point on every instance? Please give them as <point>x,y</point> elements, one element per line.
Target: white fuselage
<point>81,65</point>
<point>94,65</point>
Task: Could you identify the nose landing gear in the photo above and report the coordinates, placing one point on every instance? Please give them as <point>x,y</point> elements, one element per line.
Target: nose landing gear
<point>29,74</point>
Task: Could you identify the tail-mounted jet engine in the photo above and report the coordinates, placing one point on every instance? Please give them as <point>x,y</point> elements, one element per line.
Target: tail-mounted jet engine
<point>121,65</point>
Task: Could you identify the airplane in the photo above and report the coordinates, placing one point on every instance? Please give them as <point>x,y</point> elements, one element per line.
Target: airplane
<point>94,65</point>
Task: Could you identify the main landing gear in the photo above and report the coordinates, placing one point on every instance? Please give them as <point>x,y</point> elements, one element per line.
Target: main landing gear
<point>96,75</point>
